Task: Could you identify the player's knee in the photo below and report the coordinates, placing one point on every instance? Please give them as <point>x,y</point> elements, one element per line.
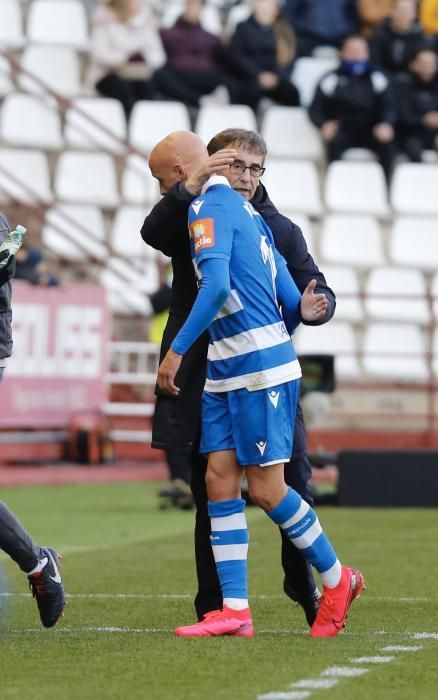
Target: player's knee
<point>220,487</point>
<point>261,495</point>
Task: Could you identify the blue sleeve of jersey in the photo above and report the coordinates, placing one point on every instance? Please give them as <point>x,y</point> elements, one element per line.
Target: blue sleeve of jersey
<point>210,228</point>
<point>214,291</point>
<point>289,298</point>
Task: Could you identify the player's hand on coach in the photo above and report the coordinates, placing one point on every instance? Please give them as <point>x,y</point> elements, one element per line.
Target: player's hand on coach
<point>214,165</point>
<point>313,306</point>
<point>167,372</point>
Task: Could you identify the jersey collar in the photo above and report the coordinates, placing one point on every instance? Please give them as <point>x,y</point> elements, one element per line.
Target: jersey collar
<point>215,180</point>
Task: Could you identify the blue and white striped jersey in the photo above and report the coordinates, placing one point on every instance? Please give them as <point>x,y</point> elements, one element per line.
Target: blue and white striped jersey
<point>249,344</point>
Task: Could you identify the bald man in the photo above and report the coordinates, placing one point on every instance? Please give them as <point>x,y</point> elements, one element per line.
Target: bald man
<point>179,163</point>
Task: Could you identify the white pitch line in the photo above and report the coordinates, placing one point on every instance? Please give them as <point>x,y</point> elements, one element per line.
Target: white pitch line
<point>288,695</point>
<point>344,671</point>
<point>372,659</point>
<point>316,683</point>
<point>426,635</point>
<point>401,648</point>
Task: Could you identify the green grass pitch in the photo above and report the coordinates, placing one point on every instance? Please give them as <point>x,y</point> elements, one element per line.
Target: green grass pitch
<point>128,569</point>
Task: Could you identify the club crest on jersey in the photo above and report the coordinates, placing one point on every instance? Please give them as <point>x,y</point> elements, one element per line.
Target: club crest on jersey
<point>202,234</point>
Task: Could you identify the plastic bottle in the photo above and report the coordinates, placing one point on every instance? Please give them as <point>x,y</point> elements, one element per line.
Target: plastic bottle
<point>12,243</point>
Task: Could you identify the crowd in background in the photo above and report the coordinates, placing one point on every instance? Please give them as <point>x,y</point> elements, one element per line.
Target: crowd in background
<point>383,95</point>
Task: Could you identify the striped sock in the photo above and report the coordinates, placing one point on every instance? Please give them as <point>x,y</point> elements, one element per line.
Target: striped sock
<point>229,541</point>
<point>300,523</point>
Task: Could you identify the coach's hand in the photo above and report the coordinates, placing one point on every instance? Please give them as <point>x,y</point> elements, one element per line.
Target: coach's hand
<point>214,165</point>
<point>167,372</point>
<point>313,306</point>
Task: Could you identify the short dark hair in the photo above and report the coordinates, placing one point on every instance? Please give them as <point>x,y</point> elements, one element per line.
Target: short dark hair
<point>249,140</point>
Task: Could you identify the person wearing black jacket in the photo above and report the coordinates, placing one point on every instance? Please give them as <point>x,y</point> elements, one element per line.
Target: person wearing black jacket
<point>177,421</point>
<point>40,564</point>
<point>397,39</point>
<point>418,106</point>
<point>354,106</point>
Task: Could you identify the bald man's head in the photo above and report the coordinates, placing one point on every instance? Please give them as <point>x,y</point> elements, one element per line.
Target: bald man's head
<point>174,158</point>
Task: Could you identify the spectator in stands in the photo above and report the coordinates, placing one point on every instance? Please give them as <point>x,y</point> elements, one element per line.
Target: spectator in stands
<point>321,22</point>
<point>429,19</point>
<point>254,48</point>
<point>126,49</point>
<point>197,62</point>
<point>31,267</point>
<point>397,39</point>
<point>418,106</point>
<point>40,565</point>
<point>372,13</point>
<point>354,106</point>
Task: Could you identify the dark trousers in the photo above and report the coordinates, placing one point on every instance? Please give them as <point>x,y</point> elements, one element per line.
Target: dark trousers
<point>16,542</point>
<point>190,86</point>
<point>414,143</point>
<point>128,92</point>
<point>362,138</point>
<point>298,574</point>
<point>179,465</point>
<point>284,94</point>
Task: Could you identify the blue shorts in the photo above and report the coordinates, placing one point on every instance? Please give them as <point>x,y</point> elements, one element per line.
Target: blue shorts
<point>259,425</point>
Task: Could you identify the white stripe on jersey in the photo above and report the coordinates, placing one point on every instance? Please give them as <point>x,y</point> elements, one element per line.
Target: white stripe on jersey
<point>253,381</point>
<point>237,521</point>
<point>231,306</point>
<point>248,341</point>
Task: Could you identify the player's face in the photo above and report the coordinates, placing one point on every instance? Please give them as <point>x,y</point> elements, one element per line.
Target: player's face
<point>246,183</point>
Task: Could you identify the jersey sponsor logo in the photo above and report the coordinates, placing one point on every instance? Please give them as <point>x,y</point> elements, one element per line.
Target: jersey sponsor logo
<point>273,398</point>
<point>202,233</point>
<point>262,447</point>
<point>197,205</point>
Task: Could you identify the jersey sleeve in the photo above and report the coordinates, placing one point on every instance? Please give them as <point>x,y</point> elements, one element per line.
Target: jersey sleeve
<point>211,231</point>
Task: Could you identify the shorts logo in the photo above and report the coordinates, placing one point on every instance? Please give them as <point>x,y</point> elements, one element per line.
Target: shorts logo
<point>262,447</point>
<point>202,233</point>
<point>273,398</point>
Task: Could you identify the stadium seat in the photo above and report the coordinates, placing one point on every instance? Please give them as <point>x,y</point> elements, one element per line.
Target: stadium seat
<point>146,280</point>
<point>289,133</point>
<point>307,72</point>
<point>397,294</point>
<point>414,242</point>
<point>11,25</point>
<point>334,338</point>
<point>354,187</point>
<point>236,14</point>
<point>27,179</point>
<point>56,66</point>
<point>138,186</point>
<point>123,298</point>
<point>31,121</point>
<point>214,118</point>
<point>6,84</point>
<point>63,23</point>
<point>434,293</point>
<point>294,185</point>
<point>345,283</point>
<point>395,351</point>
<point>414,189</point>
<point>360,155</point>
<point>75,232</point>
<point>87,178</point>
<point>152,121</point>
<point>306,226</point>
<point>125,237</point>
<point>80,132</point>
<point>351,240</point>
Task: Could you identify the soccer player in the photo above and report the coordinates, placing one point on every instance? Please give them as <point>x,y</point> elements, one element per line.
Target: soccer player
<point>40,564</point>
<point>249,402</point>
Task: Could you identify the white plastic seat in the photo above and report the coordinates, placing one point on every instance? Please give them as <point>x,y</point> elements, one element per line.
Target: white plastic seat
<point>146,280</point>
<point>152,121</point>
<point>138,186</point>
<point>64,23</point>
<point>125,237</point>
<point>122,297</point>
<point>80,132</point>
<point>307,72</point>
<point>31,170</point>
<point>306,226</point>
<point>397,294</point>
<point>289,133</point>
<point>75,232</point>
<point>87,178</point>
<point>414,242</point>
<point>335,338</point>
<point>351,240</point>
<point>395,351</point>
<point>354,187</point>
<point>6,84</point>
<point>31,121</point>
<point>414,189</point>
<point>236,15</point>
<point>294,185</point>
<point>344,281</point>
<point>58,68</point>
<point>214,118</point>
<point>11,25</point>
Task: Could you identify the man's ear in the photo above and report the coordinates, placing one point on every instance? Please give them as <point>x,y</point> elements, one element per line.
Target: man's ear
<point>180,172</point>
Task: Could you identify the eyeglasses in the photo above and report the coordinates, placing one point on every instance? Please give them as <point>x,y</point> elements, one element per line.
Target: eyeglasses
<point>239,168</point>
